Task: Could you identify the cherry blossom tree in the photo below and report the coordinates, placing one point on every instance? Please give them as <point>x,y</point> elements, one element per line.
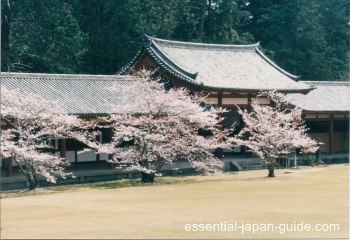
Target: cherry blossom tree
<point>153,127</point>
<point>274,130</point>
<point>34,123</point>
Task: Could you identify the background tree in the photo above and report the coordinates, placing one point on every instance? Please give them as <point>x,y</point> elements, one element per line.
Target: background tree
<point>116,28</point>
<point>223,24</point>
<point>45,37</point>
<point>305,37</point>
<point>274,131</point>
<point>35,122</point>
<point>213,21</point>
<point>5,35</point>
<point>154,127</point>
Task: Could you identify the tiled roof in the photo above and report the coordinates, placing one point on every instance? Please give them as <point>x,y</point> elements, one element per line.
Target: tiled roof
<point>81,94</point>
<point>327,97</point>
<point>241,68</point>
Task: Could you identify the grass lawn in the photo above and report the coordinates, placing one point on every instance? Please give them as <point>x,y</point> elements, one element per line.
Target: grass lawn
<point>318,195</point>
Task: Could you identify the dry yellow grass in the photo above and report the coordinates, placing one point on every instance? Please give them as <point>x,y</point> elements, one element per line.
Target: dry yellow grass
<point>309,195</point>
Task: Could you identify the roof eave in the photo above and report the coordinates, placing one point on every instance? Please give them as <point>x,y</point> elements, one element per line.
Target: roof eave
<point>249,47</point>
<point>251,90</point>
<point>86,115</point>
<point>326,111</point>
<point>126,68</point>
<point>262,55</point>
<point>161,58</point>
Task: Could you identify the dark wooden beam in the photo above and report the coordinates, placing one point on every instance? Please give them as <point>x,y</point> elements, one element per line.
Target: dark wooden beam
<point>76,155</point>
<point>247,135</point>
<point>331,134</point>
<point>220,99</point>
<point>9,167</point>
<point>110,156</point>
<point>324,119</point>
<point>63,150</point>
<point>97,154</point>
<point>231,95</point>
<point>219,152</point>
<point>53,143</point>
<point>249,102</point>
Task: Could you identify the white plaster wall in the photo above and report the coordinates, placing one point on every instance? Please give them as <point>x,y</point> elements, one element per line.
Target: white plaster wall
<point>234,101</point>
<point>88,156</point>
<point>261,100</point>
<point>70,156</point>
<point>103,156</point>
<point>211,100</point>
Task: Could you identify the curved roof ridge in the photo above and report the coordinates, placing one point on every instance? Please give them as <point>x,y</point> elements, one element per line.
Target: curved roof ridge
<point>125,68</point>
<point>219,67</point>
<point>294,77</point>
<point>250,47</point>
<point>327,83</point>
<point>167,60</point>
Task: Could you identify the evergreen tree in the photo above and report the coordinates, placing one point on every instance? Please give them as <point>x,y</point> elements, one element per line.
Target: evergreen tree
<point>45,37</point>
<point>307,38</point>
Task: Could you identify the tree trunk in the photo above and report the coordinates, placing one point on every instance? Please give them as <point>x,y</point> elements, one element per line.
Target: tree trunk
<point>5,35</point>
<point>95,37</point>
<point>208,28</point>
<point>271,168</point>
<point>33,184</point>
<point>147,177</point>
<point>202,18</point>
<point>30,174</point>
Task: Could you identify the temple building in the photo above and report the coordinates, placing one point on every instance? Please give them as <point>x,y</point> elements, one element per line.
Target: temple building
<point>234,75</point>
<point>326,113</point>
<point>86,96</point>
<point>230,75</point>
<point>233,70</point>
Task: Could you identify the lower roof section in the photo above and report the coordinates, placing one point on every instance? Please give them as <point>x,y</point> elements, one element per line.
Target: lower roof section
<point>89,95</point>
<point>327,97</point>
<point>81,94</point>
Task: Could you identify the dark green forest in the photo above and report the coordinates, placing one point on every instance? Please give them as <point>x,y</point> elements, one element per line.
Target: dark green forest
<point>305,37</point>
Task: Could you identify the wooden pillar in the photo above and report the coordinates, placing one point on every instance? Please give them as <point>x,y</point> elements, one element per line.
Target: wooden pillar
<point>243,148</point>
<point>53,143</point>
<point>220,99</point>
<point>220,105</point>
<point>219,152</point>
<point>3,164</point>
<point>110,156</point>
<point>249,103</point>
<point>63,150</point>
<point>246,136</point>
<point>9,167</point>
<point>76,155</point>
<point>331,135</point>
<point>97,154</point>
